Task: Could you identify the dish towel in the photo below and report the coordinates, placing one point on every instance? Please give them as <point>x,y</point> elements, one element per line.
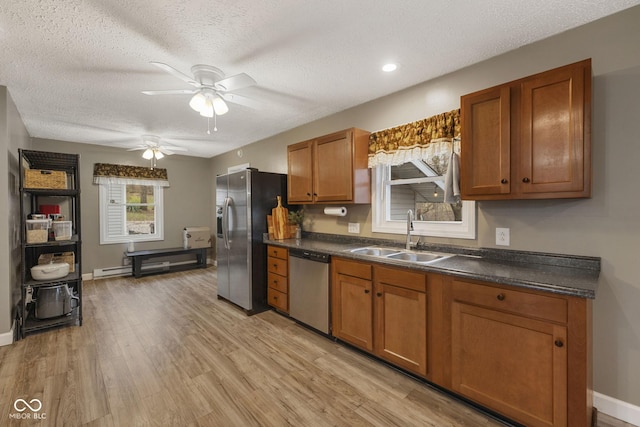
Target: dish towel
<point>452,180</point>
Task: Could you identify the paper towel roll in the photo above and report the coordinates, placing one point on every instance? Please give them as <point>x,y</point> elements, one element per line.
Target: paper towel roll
<point>341,211</point>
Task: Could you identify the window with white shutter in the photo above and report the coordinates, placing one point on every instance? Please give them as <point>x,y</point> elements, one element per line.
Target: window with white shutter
<point>130,212</point>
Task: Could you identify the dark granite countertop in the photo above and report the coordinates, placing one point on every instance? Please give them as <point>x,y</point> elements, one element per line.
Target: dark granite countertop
<point>561,274</point>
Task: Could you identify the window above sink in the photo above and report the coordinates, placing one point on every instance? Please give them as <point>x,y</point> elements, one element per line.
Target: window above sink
<point>419,186</point>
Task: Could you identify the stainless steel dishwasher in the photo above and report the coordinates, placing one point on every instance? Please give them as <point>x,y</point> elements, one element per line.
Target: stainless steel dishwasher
<point>309,288</point>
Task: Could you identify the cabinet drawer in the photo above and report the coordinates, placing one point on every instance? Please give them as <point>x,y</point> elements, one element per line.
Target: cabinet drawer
<point>278,282</point>
<point>401,278</point>
<point>277,252</point>
<point>277,299</point>
<point>277,265</point>
<point>352,268</point>
<point>509,300</point>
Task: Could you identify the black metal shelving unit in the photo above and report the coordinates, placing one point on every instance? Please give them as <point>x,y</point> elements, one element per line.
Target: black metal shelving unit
<point>30,199</point>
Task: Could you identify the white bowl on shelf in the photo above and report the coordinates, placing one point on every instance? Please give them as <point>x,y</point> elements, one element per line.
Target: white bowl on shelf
<point>51,271</point>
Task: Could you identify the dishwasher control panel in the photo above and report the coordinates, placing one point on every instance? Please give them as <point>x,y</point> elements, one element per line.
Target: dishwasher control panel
<point>312,256</point>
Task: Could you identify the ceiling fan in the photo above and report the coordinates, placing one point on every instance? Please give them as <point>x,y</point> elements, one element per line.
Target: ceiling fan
<point>211,89</point>
<point>154,150</point>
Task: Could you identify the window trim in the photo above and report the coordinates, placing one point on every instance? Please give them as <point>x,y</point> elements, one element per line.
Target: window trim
<point>380,191</point>
<point>105,239</point>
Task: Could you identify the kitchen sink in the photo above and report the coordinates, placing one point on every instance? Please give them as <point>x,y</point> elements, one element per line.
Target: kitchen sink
<point>416,256</point>
<point>397,254</point>
<point>380,252</point>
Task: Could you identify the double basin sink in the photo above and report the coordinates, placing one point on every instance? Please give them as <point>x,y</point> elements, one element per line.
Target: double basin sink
<point>418,257</point>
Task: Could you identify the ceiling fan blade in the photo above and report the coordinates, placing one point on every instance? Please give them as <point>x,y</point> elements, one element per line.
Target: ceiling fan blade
<point>166,152</point>
<point>172,148</point>
<point>241,100</point>
<point>169,69</point>
<point>238,81</point>
<point>170,92</point>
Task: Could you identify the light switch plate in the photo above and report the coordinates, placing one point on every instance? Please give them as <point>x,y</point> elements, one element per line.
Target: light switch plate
<point>354,227</point>
<point>502,236</point>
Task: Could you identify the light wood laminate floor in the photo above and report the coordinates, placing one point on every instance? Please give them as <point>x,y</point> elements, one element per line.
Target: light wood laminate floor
<point>163,350</point>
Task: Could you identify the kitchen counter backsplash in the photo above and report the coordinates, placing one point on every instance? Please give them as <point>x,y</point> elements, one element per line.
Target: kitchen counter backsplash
<point>557,273</point>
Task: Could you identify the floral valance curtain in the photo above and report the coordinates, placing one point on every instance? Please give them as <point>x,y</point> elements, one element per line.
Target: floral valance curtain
<point>420,140</point>
<point>104,173</point>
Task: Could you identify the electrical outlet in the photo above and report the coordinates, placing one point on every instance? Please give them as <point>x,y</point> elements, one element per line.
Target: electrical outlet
<point>502,236</point>
<point>354,227</point>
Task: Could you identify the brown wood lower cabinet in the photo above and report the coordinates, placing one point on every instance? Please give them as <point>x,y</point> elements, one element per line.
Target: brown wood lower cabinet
<point>352,305</point>
<point>386,316</point>
<point>400,318</point>
<point>512,352</point>
<point>522,353</point>
<point>278,278</point>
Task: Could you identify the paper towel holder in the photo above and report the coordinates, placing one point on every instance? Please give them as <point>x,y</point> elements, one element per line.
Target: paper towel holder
<point>336,211</point>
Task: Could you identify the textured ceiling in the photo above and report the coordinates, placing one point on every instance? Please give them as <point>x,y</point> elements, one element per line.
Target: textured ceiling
<point>75,68</point>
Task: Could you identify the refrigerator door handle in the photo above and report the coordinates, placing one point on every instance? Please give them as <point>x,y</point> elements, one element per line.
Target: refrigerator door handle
<point>225,222</point>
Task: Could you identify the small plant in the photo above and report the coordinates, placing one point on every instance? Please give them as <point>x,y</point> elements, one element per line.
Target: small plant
<point>296,217</point>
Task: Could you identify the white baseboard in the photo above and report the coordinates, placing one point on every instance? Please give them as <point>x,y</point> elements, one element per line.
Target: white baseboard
<point>7,337</point>
<point>87,276</point>
<point>617,408</point>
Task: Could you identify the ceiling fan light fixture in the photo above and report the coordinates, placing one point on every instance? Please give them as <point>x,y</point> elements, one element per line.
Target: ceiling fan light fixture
<point>148,154</point>
<point>158,154</point>
<point>198,101</point>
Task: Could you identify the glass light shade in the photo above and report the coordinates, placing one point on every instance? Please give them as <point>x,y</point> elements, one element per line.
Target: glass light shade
<point>148,154</point>
<point>198,101</point>
<point>158,154</point>
<point>219,105</point>
<point>207,109</point>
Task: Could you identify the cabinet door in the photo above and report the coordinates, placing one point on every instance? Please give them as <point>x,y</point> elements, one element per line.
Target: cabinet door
<point>401,327</point>
<point>512,364</point>
<point>553,123</point>
<point>485,145</point>
<point>333,168</point>
<point>353,310</point>
<point>300,164</point>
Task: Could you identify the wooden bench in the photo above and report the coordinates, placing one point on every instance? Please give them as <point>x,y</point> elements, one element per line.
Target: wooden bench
<point>139,256</point>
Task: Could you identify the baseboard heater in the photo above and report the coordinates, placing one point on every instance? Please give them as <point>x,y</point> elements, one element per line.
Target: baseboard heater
<point>103,273</point>
<point>125,270</point>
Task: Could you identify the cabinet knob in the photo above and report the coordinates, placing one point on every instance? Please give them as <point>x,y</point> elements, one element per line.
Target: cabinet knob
<point>559,343</point>
<point>366,291</point>
<point>308,194</point>
<point>275,297</point>
<point>504,181</point>
<point>379,294</point>
<point>315,194</point>
<point>500,297</point>
<point>275,266</point>
<point>525,179</point>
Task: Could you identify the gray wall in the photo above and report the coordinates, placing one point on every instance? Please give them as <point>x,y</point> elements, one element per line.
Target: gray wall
<point>187,202</point>
<point>13,135</point>
<point>604,226</point>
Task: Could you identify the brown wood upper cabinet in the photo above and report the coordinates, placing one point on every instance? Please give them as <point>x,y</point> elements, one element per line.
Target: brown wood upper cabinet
<point>530,138</point>
<point>330,169</point>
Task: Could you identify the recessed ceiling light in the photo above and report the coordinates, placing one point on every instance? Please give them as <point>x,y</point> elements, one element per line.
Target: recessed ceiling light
<point>387,68</point>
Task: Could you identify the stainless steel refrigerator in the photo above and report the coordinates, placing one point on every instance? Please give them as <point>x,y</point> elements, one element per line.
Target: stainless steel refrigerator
<point>243,201</point>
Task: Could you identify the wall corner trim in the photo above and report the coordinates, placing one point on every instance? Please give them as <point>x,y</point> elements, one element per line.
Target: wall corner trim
<point>617,408</point>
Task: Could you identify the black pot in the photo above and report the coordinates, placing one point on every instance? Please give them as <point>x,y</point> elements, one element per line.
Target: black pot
<point>54,301</point>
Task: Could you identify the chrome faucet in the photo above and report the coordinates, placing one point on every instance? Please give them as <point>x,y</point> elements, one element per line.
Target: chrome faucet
<point>409,228</point>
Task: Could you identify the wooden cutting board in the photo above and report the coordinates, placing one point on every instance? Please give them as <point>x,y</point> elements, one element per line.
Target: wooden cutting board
<point>280,216</point>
